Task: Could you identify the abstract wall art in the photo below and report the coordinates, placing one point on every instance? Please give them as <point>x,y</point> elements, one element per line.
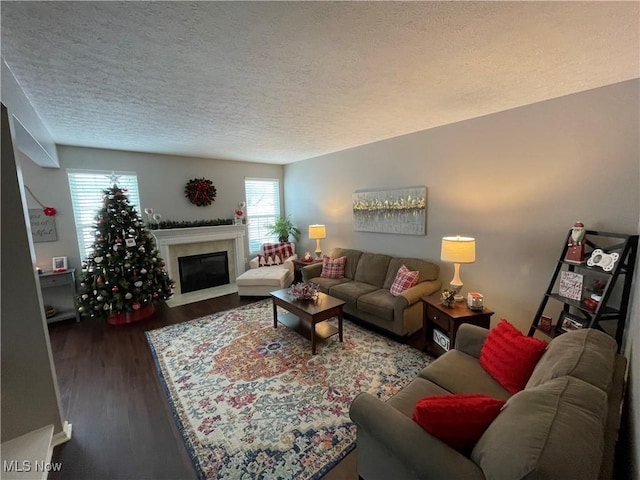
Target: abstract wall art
<point>398,210</point>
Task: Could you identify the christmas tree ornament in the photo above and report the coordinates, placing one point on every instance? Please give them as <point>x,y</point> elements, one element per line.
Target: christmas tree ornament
<point>128,295</point>
<point>115,289</point>
<point>143,271</point>
<point>138,283</point>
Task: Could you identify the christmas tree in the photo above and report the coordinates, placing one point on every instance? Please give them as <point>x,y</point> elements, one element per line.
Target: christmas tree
<point>124,273</point>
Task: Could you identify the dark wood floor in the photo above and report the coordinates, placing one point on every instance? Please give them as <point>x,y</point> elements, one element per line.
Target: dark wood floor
<point>122,425</point>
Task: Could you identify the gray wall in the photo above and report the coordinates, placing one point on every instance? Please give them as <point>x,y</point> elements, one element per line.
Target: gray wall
<point>515,180</point>
<point>30,398</point>
<point>161,181</point>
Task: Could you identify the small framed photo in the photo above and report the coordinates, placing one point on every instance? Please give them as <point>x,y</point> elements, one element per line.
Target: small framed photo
<point>569,322</point>
<point>545,323</point>
<point>130,242</point>
<point>59,264</point>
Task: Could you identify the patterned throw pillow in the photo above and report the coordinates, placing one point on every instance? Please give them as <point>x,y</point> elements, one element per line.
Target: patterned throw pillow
<point>509,356</point>
<point>333,267</point>
<point>458,420</point>
<point>268,261</point>
<point>405,278</point>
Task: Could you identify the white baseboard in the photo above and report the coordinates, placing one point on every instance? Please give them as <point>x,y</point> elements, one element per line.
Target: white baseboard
<point>63,436</point>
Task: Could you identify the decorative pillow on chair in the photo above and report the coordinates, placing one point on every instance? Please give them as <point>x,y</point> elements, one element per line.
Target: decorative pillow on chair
<point>268,261</point>
<point>458,420</point>
<point>509,356</point>
<point>333,267</point>
<point>405,278</point>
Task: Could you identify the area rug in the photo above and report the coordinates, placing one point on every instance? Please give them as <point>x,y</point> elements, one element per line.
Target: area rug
<point>252,402</point>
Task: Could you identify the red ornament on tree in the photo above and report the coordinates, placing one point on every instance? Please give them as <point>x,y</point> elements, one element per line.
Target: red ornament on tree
<point>115,289</point>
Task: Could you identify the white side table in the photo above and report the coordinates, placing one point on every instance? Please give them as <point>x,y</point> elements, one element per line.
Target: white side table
<point>59,290</point>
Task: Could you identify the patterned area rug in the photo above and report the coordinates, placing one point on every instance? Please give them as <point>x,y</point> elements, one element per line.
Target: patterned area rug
<point>252,402</point>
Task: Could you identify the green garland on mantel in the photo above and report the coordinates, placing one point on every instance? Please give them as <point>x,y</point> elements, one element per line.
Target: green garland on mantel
<point>167,224</point>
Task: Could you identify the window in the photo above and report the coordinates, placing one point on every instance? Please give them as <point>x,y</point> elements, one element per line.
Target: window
<point>87,189</point>
<point>263,209</point>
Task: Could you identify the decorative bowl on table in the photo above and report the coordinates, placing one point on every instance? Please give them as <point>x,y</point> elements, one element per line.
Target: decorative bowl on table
<point>304,291</point>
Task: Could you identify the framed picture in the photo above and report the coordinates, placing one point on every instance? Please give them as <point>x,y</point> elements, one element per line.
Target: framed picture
<point>569,322</point>
<point>130,242</point>
<point>571,285</point>
<point>545,324</point>
<point>59,264</point>
<point>398,210</point>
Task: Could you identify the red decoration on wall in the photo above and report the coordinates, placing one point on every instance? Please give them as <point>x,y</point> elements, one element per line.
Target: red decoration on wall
<point>200,191</point>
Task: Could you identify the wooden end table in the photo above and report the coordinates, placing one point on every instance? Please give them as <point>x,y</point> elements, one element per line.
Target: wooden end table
<point>308,317</point>
<point>447,320</point>
<point>298,265</point>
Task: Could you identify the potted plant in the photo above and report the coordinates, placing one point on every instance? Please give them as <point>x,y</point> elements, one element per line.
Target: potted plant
<point>283,228</point>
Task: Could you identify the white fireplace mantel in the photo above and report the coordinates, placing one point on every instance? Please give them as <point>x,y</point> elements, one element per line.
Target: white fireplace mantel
<point>179,236</point>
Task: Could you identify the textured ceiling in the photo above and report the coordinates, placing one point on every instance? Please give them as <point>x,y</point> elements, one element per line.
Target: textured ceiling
<point>279,82</point>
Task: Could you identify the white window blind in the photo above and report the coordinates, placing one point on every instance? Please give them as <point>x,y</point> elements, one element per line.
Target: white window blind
<point>87,191</point>
<point>263,208</point>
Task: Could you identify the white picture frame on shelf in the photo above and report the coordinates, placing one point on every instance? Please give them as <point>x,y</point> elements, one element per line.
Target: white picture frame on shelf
<point>59,264</point>
<point>571,285</point>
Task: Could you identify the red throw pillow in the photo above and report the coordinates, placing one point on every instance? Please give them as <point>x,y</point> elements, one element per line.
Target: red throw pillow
<point>458,420</point>
<point>333,267</point>
<point>405,278</point>
<point>509,356</point>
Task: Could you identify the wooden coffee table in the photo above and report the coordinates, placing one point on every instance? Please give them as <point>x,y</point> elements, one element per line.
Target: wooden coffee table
<point>308,317</point>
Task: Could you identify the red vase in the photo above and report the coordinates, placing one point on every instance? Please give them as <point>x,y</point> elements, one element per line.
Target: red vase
<point>130,317</point>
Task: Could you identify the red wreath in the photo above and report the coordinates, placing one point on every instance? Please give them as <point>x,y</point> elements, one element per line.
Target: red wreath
<point>200,191</point>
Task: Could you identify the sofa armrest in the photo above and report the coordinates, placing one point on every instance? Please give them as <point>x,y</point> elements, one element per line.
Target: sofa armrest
<point>409,443</point>
<point>469,339</point>
<point>311,271</point>
<point>254,262</point>
<point>422,289</point>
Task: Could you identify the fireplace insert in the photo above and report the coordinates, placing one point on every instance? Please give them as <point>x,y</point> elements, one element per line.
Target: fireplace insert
<point>207,270</point>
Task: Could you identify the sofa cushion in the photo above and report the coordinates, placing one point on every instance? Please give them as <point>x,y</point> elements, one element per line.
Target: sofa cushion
<point>587,354</point>
<point>509,356</point>
<point>350,291</point>
<point>405,279</point>
<point>372,269</point>
<point>405,400</point>
<point>428,271</point>
<point>458,420</point>
<point>353,256</point>
<point>458,372</point>
<point>333,267</point>
<point>326,284</point>
<point>380,303</point>
<point>554,430</point>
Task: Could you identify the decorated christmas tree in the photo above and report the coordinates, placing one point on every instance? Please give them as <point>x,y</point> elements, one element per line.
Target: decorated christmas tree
<point>124,276</point>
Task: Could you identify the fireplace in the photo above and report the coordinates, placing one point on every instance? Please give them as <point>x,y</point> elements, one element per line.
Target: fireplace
<point>206,270</point>
<point>174,243</point>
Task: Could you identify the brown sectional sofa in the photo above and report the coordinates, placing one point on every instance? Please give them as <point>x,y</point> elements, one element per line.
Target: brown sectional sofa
<point>365,287</point>
<point>563,425</point>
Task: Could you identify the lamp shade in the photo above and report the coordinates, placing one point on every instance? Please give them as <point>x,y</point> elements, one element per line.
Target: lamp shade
<point>458,249</point>
<point>317,231</point>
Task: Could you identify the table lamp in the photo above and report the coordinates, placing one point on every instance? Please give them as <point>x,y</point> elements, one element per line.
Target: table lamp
<point>458,250</point>
<point>316,232</point>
